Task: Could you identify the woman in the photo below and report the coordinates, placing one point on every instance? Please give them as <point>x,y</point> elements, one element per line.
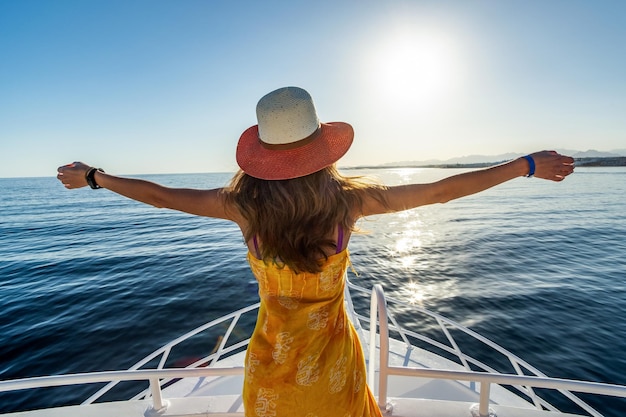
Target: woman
<point>297,213</point>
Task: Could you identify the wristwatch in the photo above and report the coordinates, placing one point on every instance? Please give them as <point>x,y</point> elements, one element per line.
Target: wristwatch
<point>90,177</point>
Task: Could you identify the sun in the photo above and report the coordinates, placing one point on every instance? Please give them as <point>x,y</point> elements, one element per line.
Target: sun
<point>414,67</point>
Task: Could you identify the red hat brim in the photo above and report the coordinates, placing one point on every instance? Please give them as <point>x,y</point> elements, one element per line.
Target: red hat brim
<point>327,148</point>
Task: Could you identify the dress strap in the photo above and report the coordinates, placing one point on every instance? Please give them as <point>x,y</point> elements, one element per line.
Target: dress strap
<point>339,239</point>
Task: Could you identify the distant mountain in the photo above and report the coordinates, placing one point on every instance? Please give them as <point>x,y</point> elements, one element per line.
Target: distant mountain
<point>591,153</point>
<point>487,159</point>
<point>468,159</point>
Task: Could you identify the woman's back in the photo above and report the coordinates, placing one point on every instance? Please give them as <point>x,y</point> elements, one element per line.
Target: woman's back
<point>298,220</point>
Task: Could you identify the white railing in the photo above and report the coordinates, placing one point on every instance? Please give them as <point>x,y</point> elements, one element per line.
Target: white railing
<point>220,350</point>
<point>154,376</point>
<point>164,351</point>
<point>158,377</point>
<point>379,313</point>
<point>378,307</point>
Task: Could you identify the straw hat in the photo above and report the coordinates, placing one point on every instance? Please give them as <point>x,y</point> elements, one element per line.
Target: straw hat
<point>289,141</point>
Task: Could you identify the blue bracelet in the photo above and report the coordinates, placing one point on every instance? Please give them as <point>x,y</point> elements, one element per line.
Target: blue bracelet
<point>531,164</point>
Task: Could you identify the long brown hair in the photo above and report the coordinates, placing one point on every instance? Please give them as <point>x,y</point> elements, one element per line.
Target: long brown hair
<point>295,218</point>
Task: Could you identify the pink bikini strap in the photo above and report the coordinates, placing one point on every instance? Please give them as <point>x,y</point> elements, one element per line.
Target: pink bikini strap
<point>256,247</point>
<point>339,239</point>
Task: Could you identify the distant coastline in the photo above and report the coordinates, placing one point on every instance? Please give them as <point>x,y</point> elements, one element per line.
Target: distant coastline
<point>618,161</point>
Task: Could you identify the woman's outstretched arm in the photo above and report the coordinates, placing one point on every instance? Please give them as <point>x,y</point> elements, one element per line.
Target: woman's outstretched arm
<point>210,203</point>
<point>549,165</point>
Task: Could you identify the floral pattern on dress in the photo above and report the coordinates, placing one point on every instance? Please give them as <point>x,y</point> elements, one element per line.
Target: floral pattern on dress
<point>289,303</point>
<point>339,324</point>
<point>308,371</point>
<point>359,380</point>
<point>251,364</point>
<point>265,405</point>
<point>282,346</point>
<point>318,319</point>
<point>330,278</point>
<point>338,376</point>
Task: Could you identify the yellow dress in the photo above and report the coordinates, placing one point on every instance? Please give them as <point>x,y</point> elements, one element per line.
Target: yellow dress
<point>304,358</point>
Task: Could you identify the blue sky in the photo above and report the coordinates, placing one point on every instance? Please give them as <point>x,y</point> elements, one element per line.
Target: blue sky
<point>168,86</point>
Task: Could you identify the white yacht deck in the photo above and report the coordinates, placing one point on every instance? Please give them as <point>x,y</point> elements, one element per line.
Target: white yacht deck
<point>409,381</point>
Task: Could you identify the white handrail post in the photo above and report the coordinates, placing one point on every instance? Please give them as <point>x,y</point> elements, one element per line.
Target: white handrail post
<point>372,353</point>
<point>483,405</point>
<point>157,398</point>
<point>378,307</point>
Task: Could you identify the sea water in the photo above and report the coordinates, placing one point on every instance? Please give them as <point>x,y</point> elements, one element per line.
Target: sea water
<point>90,281</point>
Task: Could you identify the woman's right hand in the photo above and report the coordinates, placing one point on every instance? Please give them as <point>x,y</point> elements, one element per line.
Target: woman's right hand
<point>73,175</point>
